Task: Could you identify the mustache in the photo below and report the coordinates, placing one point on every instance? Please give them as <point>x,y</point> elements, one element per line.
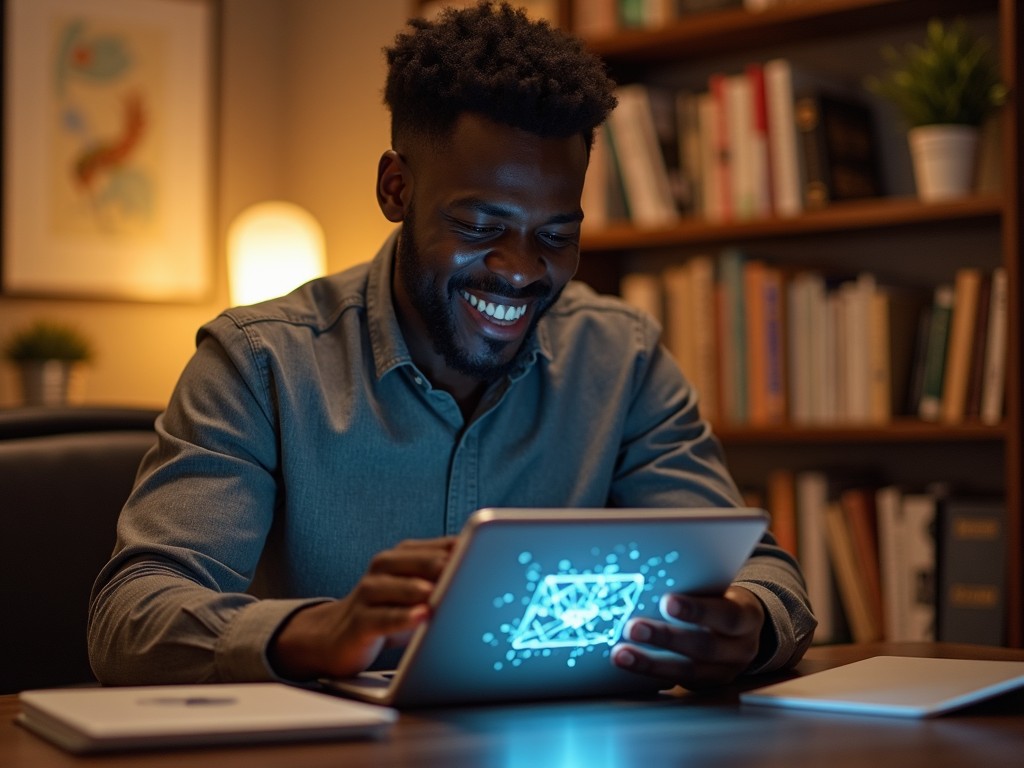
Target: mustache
<point>499,287</point>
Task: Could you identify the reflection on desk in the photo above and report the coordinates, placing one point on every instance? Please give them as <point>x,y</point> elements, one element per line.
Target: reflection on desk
<point>690,729</point>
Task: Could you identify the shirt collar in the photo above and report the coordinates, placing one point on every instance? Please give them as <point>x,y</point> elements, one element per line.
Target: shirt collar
<point>389,348</point>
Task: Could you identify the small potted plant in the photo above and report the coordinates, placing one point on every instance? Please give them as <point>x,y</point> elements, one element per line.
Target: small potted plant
<point>944,89</point>
<point>45,353</point>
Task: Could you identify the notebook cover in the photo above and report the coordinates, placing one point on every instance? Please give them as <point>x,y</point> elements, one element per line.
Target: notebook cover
<point>106,719</point>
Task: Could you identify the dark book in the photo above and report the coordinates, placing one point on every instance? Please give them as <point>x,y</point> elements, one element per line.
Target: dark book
<point>839,149</point>
<point>972,562</point>
<point>976,380</point>
<point>684,7</point>
<point>941,313</point>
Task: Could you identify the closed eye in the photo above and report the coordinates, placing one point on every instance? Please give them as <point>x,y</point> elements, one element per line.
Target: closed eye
<point>559,240</point>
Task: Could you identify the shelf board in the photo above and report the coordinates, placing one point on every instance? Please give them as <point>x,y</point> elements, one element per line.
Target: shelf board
<point>739,30</point>
<point>876,214</point>
<point>905,430</point>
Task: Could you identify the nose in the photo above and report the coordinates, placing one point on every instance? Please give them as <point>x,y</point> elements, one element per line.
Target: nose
<point>517,259</point>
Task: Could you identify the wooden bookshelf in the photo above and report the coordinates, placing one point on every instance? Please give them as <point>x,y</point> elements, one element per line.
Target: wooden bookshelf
<point>641,54</point>
<point>877,214</point>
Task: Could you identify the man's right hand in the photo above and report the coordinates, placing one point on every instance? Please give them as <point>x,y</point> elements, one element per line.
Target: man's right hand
<point>342,637</point>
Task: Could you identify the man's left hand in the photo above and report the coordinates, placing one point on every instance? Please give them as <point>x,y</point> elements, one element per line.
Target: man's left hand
<point>716,641</point>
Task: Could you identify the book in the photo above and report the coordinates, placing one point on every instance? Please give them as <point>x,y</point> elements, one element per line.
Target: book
<point>732,314</point>
<point>705,333</point>
<point>953,403</point>
<point>994,382</point>
<point>894,578</point>
<point>858,506</point>
<point>849,578</point>
<point>643,290</point>
<point>934,368</point>
<point>107,719</point>
<point>678,316</point>
<point>739,122</point>
<point>665,115</point>
<point>595,18</point>
<point>760,141</point>
<point>976,367</point>
<point>919,558</point>
<point>756,330</point>
<point>781,503</point>
<point>811,503</point>
<point>720,160</point>
<point>638,157</point>
<point>690,152</point>
<point>838,147</point>
<point>972,562</point>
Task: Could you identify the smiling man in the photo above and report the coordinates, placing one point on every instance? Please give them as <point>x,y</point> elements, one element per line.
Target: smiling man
<point>321,450</point>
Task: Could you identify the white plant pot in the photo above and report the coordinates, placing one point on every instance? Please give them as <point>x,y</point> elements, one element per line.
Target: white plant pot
<point>45,382</point>
<point>945,158</point>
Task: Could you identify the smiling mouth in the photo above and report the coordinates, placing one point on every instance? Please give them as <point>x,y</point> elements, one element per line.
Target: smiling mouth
<point>507,313</point>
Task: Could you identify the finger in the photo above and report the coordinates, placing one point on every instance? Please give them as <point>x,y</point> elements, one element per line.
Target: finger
<point>695,642</point>
<point>425,562</point>
<point>672,668</point>
<point>384,589</point>
<point>733,615</point>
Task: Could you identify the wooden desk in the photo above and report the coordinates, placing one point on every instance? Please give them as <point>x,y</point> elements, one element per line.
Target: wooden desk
<point>697,730</point>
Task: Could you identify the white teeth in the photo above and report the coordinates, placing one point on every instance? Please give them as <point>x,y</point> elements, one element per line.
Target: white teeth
<point>497,311</point>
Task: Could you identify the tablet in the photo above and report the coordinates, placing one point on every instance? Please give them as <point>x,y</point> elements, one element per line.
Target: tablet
<point>532,601</point>
<point>895,686</point>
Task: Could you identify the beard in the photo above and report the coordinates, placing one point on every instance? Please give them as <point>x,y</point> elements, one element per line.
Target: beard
<point>436,308</point>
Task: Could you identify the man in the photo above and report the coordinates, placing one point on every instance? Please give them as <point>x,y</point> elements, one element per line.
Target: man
<point>321,450</point>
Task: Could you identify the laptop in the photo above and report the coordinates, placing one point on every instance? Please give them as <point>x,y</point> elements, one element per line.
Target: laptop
<point>84,720</point>
<point>895,686</point>
<point>532,601</point>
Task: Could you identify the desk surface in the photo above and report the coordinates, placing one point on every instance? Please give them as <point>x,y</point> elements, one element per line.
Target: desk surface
<point>699,730</point>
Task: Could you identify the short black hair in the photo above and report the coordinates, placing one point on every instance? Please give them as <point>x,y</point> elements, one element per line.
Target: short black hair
<point>494,61</point>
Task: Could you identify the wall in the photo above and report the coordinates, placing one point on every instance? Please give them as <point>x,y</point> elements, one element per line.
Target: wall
<point>299,118</point>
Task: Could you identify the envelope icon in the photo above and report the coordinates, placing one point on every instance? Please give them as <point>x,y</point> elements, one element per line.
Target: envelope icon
<point>577,610</point>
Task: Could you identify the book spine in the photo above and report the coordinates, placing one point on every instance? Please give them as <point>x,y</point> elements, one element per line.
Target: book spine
<point>961,334</point>
<point>972,560</point>
<point>977,365</point>
<point>733,312</point>
<point>994,384</point>
<point>785,163</point>
<point>935,357</point>
<point>807,113</point>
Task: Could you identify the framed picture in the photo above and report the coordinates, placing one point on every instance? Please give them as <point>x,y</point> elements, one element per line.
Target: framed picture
<point>107,149</point>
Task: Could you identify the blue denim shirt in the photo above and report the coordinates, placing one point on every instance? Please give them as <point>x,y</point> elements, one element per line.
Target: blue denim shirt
<point>301,440</point>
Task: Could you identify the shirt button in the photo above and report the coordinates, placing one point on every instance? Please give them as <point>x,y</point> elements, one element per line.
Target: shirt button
<point>419,381</point>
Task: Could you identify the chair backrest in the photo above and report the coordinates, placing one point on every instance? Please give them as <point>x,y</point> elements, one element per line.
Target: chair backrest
<point>64,475</point>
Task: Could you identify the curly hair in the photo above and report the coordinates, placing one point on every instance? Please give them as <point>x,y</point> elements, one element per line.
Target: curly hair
<point>496,62</point>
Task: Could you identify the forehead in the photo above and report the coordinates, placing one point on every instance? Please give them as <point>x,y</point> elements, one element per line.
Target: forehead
<point>482,156</point>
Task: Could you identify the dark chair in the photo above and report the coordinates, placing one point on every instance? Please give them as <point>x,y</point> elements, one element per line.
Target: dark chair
<point>65,473</point>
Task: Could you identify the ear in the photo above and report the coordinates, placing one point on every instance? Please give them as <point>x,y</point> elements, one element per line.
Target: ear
<point>394,186</point>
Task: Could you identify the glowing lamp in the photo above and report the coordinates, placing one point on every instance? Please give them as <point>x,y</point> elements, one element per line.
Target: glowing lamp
<point>273,247</point>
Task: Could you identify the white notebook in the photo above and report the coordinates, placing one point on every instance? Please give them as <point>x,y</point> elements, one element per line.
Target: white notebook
<point>894,685</point>
<point>107,719</point>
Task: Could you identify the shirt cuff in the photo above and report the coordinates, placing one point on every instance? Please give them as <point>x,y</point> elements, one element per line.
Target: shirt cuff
<point>241,652</point>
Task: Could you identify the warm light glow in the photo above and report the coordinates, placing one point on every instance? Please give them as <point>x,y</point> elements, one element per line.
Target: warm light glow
<point>273,247</point>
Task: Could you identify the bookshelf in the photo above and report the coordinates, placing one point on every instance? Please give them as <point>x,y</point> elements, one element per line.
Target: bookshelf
<point>933,240</point>
<point>896,235</point>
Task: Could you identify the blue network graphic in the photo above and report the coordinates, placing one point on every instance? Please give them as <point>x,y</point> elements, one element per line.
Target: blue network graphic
<point>573,610</point>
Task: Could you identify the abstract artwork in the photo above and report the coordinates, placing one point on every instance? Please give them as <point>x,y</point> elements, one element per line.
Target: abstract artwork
<point>107,182</point>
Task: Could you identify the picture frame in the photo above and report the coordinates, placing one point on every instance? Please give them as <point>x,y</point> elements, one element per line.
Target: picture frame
<point>107,149</point>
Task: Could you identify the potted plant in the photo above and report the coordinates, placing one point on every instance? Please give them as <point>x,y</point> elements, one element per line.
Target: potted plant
<point>944,89</point>
<point>45,353</point>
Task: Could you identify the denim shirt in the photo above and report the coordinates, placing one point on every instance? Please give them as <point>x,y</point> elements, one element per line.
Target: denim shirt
<point>301,439</point>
